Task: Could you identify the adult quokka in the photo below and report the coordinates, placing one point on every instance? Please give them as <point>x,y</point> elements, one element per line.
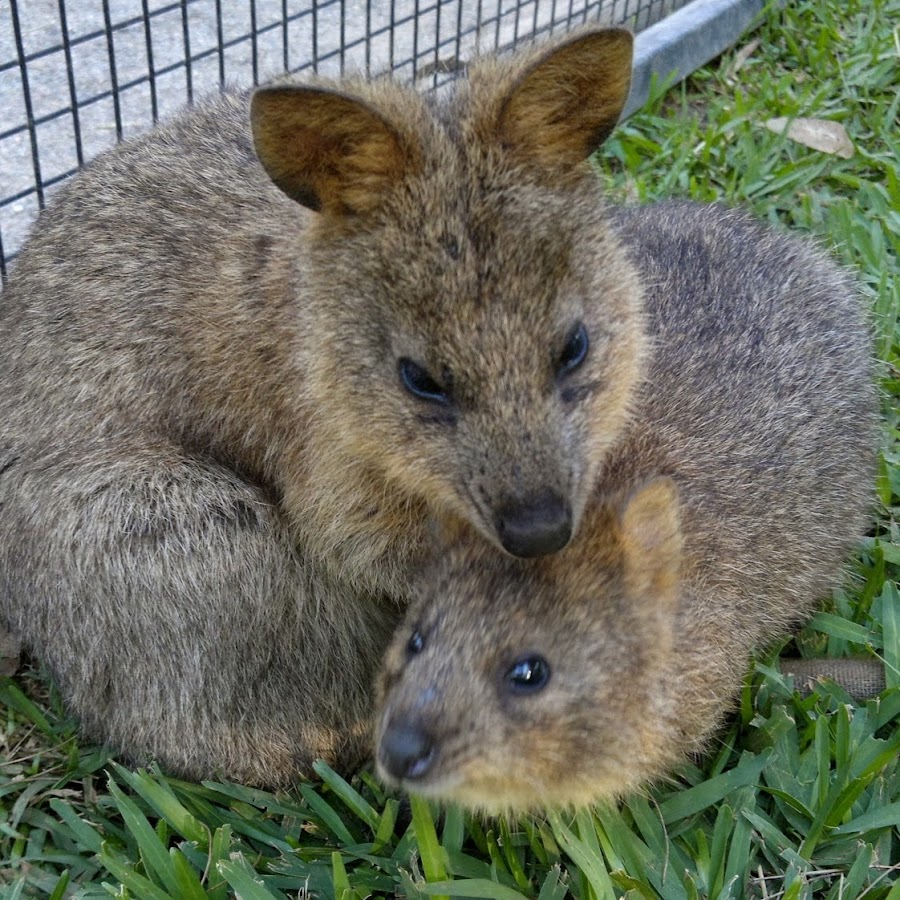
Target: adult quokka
<point>248,357</point>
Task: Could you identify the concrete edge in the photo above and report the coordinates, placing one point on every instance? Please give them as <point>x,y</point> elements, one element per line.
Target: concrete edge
<point>685,40</point>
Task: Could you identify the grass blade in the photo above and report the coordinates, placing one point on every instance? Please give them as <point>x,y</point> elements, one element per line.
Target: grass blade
<point>155,856</point>
<point>244,881</point>
<point>159,796</point>
<point>430,851</point>
<point>349,795</point>
<point>591,865</point>
<point>139,885</point>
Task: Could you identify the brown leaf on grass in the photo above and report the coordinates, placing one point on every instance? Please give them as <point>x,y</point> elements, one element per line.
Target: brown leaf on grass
<point>820,134</point>
<point>741,57</point>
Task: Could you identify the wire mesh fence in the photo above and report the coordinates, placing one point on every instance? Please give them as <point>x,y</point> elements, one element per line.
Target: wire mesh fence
<point>77,76</point>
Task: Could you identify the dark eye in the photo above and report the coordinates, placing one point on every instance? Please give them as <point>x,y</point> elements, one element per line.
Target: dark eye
<point>416,643</point>
<point>528,675</point>
<point>575,351</point>
<point>420,384</point>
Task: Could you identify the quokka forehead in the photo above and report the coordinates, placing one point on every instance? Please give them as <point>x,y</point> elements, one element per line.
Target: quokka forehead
<point>465,242</point>
<point>483,588</point>
<point>458,201</point>
<point>467,323</point>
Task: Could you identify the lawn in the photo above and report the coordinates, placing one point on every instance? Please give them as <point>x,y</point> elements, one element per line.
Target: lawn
<point>800,797</point>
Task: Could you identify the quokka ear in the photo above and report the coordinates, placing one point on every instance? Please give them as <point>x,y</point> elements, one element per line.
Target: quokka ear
<point>566,103</point>
<point>326,150</point>
<point>651,539</point>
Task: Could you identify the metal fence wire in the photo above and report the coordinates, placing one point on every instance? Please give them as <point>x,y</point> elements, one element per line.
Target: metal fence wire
<point>77,76</point>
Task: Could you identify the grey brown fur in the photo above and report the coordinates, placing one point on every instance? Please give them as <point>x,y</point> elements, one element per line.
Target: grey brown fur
<point>214,487</point>
<point>726,510</point>
<point>213,483</point>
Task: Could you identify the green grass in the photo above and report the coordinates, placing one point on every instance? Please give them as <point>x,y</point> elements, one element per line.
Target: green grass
<point>800,798</point>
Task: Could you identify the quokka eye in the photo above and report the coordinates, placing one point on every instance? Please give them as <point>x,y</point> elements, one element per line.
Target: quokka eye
<point>575,350</point>
<point>420,384</point>
<point>416,643</point>
<point>528,675</point>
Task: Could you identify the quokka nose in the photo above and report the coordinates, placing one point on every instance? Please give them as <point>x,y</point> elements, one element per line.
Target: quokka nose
<point>406,751</point>
<point>535,527</point>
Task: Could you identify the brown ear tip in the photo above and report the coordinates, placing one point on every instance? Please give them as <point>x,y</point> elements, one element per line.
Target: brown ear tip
<point>657,492</point>
<point>661,483</point>
<point>604,35</point>
<point>263,99</point>
<point>616,41</point>
<point>615,32</point>
<point>257,100</point>
<point>666,486</point>
<point>266,95</point>
<point>606,53</point>
<point>266,92</point>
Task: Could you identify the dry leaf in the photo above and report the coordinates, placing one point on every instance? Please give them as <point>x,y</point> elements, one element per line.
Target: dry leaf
<point>820,134</point>
<point>741,57</point>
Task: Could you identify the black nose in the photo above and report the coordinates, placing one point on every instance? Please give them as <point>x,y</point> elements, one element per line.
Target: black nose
<point>406,750</point>
<point>535,527</point>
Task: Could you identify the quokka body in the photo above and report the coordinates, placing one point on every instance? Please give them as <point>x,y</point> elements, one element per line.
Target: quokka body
<point>249,356</point>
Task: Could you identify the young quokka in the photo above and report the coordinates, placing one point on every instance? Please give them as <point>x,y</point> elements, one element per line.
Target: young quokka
<point>724,512</point>
<point>249,356</point>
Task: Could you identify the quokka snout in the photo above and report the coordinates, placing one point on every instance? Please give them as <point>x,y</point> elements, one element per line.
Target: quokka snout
<point>250,355</point>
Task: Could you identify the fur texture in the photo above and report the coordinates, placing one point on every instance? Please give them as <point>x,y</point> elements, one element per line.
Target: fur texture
<point>759,410</point>
<point>213,481</point>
